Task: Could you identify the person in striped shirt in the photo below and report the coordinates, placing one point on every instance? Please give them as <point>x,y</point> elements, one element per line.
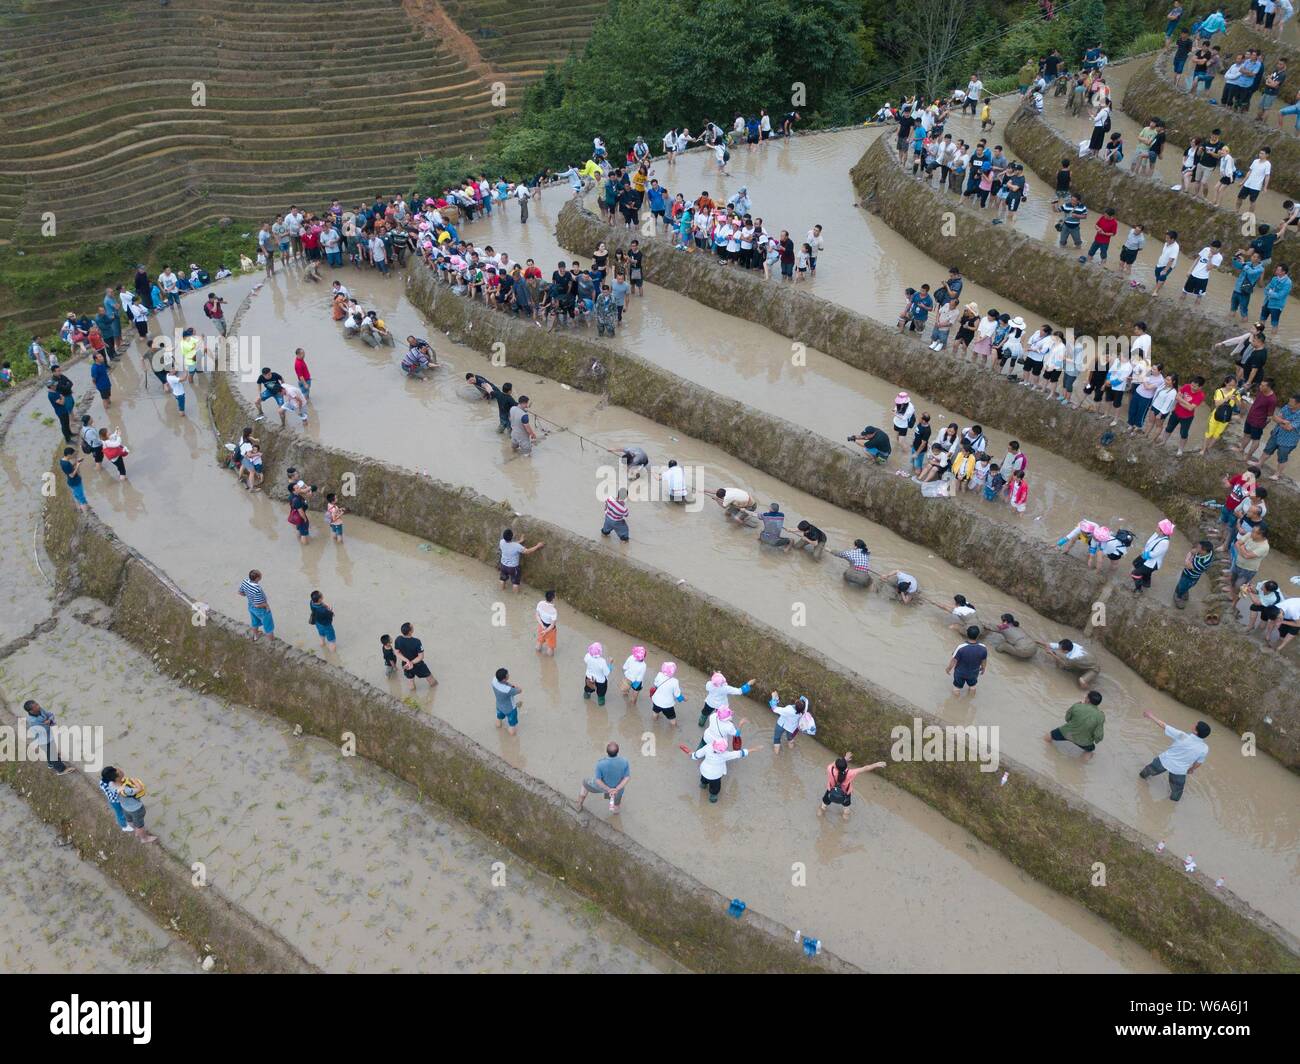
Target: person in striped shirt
<point>859,559</point>
<point>259,610</point>
<point>1194,567</point>
<point>616,516</point>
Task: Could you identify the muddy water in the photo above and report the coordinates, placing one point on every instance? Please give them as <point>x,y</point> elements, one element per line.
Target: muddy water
<point>745,846</point>
<point>59,913</point>
<point>754,365</point>
<point>347,863</point>
<point>1239,818</point>
<point>1219,294</point>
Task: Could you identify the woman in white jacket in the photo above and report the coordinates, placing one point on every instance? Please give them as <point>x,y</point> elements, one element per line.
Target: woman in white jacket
<point>716,694</point>
<point>633,675</point>
<point>1152,555</point>
<point>713,765</point>
<point>597,676</point>
<point>666,692</point>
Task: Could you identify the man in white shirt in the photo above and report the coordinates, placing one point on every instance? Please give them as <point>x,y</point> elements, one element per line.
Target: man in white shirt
<point>674,482</point>
<point>1182,758</point>
<point>973,89</point>
<point>1256,177</point>
<point>293,221</point>
<point>1140,345</point>
<point>1288,621</point>
<point>1207,259</point>
<point>170,286</point>
<point>1168,259</point>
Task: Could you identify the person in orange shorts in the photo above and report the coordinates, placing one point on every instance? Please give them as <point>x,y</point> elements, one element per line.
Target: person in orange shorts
<point>546,617</point>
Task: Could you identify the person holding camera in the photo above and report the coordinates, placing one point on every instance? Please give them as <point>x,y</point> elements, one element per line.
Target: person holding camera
<point>214,312</point>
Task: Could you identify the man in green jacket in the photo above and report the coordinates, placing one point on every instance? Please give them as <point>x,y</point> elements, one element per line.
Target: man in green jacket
<point>1085,725</point>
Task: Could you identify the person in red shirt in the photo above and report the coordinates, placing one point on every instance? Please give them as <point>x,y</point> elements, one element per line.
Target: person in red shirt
<point>1241,488</point>
<point>1107,227</point>
<point>1258,417</point>
<point>1190,396</point>
<point>532,270</point>
<point>300,369</point>
<point>311,241</point>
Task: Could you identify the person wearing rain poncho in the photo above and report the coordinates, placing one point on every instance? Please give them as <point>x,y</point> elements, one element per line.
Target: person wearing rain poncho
<point>713,765</point>
<point>597,675</point>
<point>790,720</point>
<point>666,692</point>
<point>633,675</point>
<point>717,693</point>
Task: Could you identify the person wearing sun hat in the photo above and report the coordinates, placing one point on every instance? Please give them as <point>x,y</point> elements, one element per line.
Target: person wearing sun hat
<point>904,416</point>
<point>713,767</point>
<point>1157,546</point>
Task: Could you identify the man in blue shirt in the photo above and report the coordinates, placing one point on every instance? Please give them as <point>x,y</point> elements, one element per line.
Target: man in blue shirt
<point>1286,434</point>
<point>610,779</point>
<point>1249,271</point>
<point>1275,296</point>
<point>968,661</point>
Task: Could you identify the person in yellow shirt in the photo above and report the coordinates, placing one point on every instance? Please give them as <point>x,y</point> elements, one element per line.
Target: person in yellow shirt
<point>591,170</point>
<point>986,117</point>
<point>1226,401</point>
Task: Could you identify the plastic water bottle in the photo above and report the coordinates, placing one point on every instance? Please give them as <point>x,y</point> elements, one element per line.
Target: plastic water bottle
<point>1189,863</point>
<point>1219,882</point>
<point>1005,775</point>
<point>1160,846</point>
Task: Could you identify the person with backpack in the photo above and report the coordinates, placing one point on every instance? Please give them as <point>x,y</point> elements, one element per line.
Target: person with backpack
<point>839,783</point>
<point>128,792</point>
<point>1153,554</point>
<point>1227,398</point>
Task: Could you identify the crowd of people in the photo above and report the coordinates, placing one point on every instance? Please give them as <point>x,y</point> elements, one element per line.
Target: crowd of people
<point>389,232</point>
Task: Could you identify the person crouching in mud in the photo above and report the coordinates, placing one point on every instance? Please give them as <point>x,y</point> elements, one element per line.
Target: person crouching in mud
<point>1014,640</point>
<point>1074,659</point>
<point>737,505</point>
<point>859,559</point>
<point>904,585</point>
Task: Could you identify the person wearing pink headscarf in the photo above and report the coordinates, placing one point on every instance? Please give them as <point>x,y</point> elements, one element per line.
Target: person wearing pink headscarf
<point>666,693</point>
<point>716,694</point>
<point>713,767</point>
<point>723,725</point>
<point>597,677</point>
<point>633,675</point>
<point>1152,555</point>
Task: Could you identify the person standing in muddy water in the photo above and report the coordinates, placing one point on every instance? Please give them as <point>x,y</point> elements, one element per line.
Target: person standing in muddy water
<point>968,662</point>
<point>839,783</point>
<point>410,655</point>
<point>511,552</point>
<point>1085,726</point>
<point>1184,757</point>
<point>259,609</point>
